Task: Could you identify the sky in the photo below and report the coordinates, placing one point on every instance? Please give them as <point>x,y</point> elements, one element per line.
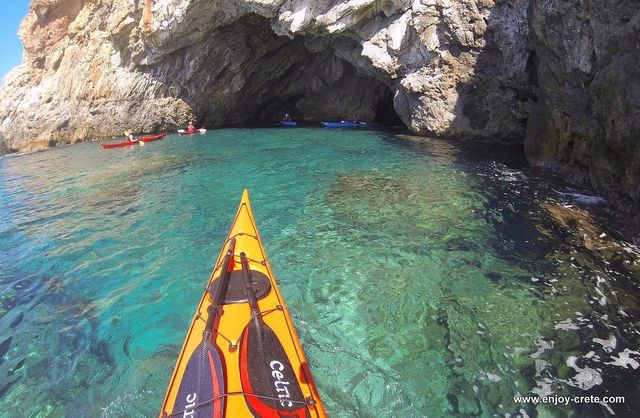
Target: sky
<point>11,14</point>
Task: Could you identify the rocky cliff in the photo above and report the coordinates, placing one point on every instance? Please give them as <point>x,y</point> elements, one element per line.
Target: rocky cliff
<point>560,73</point>
<point>587,81</point>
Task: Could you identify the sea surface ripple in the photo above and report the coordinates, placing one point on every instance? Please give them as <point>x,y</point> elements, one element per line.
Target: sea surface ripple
<point>425,278</point>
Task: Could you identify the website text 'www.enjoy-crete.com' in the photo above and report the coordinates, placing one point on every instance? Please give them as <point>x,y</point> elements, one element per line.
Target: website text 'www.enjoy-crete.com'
<point>566,400</point>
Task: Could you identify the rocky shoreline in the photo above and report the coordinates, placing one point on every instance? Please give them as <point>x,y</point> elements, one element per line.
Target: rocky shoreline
<point>558,77</point>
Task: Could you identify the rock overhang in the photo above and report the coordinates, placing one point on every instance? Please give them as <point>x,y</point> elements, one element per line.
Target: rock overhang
<point>460,69</point>
<point>155,64</point>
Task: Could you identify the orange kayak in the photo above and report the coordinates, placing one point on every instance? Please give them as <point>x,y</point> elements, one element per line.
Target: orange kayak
<point>241,356</point>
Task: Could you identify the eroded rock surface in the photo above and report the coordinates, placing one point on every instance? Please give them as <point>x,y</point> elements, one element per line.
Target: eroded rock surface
<point>146,65</point>
<point>563,74</point>
<point>588,87</point>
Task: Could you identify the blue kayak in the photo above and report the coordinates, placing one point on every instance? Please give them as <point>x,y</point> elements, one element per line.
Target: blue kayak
<point>347,124</point>
<point>288,123</point>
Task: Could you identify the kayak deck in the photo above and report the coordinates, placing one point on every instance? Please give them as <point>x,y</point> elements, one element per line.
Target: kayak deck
<point>231,323</point>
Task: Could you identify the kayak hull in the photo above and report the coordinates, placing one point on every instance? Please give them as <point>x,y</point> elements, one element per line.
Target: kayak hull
<point>229,333</point>
<point>289,123</point>
<point>153,138</point>
<point>120,144</point>
<point>133,143</point>
<point>346,124</point>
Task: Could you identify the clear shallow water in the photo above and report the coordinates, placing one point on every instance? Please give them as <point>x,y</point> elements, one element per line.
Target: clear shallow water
<point>424,279</point>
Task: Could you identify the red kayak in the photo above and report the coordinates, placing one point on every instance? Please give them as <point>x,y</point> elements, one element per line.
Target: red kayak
<point>134,142</point>
<point>153,138</point>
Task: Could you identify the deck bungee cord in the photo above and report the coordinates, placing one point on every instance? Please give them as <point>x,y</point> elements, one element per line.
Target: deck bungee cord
<point>207,402</point>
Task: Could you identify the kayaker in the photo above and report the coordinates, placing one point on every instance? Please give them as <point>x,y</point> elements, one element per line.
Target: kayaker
<point>354,119</point>
<point>287,118</point>
<point>191,129</point>
<point>129,136</point>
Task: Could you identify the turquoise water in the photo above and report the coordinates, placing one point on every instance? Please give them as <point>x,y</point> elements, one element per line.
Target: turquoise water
<point>425,279</point>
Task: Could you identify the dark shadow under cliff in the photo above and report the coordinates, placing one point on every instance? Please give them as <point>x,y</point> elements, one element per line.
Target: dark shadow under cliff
<point>259,76</point>
<point>492,105</point>
<point>588,113</point>
<point>568,93</point>
<point>581,122</point>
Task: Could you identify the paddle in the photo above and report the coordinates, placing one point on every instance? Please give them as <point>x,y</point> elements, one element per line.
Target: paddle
<point>265,368</point>
<point>203,384</point>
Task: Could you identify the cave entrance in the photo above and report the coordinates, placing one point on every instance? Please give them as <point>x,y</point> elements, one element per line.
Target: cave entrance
<point>267,75</point>
<point>386,114</point>
<point>327,87</point>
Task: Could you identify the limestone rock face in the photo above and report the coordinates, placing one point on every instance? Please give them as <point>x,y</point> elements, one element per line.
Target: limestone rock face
<point>587,81</point>
<point>563,74</point>
<point>95,69</point>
